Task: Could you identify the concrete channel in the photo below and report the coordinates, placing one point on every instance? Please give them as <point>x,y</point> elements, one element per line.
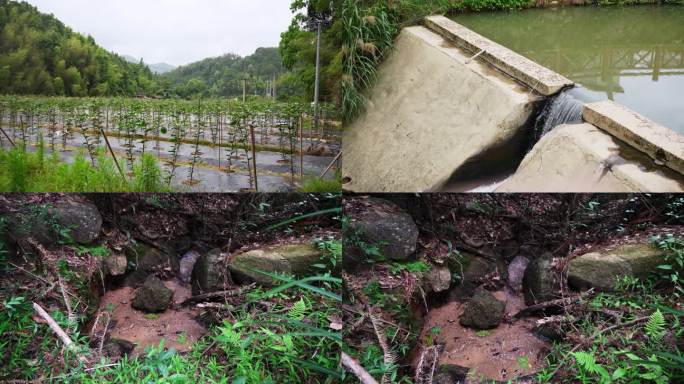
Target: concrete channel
<point>450,106</point>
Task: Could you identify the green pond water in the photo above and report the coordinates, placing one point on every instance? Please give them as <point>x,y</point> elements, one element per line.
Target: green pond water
<point>633,55</point>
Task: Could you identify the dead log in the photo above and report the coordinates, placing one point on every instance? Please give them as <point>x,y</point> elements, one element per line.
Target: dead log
<point>216,295</point>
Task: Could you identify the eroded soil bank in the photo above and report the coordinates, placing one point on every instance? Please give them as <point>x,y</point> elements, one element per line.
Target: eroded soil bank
<point>491,288</point>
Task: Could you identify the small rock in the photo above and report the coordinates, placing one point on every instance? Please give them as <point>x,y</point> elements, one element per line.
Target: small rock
<point>516,271</point>
<point>541,281</point>
<point>483,311</point>
<point>187,263</point>
<point>450,374</point>
<point>115,349</point>
<point>153,296</point>
<point>116,264</point>
<point>438,279</point>
<point>210,273</point>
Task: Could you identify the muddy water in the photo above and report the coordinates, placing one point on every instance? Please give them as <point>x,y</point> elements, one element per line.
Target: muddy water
<point>505,353</point>
<point>632,54</point>
<point>176,326</point>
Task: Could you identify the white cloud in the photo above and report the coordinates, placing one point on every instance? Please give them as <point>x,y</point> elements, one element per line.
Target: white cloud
<point>175,31</point>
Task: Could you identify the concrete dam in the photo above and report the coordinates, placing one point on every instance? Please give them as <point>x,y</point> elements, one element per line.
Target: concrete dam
<point>452,110</point>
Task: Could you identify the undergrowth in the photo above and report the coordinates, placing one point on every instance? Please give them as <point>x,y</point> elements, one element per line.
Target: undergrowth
<point>641,341</point>
<point>292,343</point>
<point>24,171</point>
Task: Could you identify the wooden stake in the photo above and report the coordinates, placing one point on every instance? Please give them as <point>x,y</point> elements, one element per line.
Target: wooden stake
<point>251,134</point>
<point>354,367</point>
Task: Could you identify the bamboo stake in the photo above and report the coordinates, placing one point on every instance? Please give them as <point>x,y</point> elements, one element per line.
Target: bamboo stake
<point>301,146</point>
<point>111,151</point>
<point>354,367</point>
<point>8,138</point>
<point>331,164</point>
<point>251,134</point>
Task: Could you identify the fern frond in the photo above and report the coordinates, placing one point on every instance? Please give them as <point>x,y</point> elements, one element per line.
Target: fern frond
<point>655,327</point>
<point>298,310</point>
<point>586,361</point>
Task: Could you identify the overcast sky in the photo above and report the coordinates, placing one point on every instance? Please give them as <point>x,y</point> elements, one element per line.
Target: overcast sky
<point>175,31</point>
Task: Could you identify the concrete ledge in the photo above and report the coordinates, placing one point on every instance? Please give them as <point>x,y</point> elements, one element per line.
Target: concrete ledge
<point>537,77</point>
<point>583,158</point>
<point>660,143</point>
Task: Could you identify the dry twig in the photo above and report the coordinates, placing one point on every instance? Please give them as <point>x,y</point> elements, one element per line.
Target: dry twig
<point>354,367</point>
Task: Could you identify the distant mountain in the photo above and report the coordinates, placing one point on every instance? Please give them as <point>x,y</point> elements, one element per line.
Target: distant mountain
<point>157,68</point>
<point>222,76</point>
<point>40,55</point>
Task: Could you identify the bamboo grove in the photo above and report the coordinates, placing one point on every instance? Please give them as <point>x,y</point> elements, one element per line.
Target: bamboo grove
<point>177,133</point>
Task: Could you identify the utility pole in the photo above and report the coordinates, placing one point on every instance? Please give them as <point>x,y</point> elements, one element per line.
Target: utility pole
<point>318,72</point>
<point>244,90</point>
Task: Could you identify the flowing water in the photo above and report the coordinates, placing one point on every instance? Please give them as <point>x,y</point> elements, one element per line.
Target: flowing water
<point>562,109</point>
<point>633,55</point>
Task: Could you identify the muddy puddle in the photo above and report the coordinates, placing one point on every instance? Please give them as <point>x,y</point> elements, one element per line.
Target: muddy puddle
<point>505,353</point>
<point>177,326</point>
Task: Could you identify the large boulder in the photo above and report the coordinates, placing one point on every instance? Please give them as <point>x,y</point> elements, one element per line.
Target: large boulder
<point>72,218</point>
<point>153,296</point>
<point>381,224</point>
<point>473,275</point>
<point>483,311</point>
<point>210,272</point>
<point>600,269</point>
<point>147,260</point>
<point>291,259</point>
<point>80,216</point>
<point>541,281</point>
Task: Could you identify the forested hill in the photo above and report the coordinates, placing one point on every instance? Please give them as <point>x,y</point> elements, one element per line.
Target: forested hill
<point>40,55</point>
<point>222,76</point>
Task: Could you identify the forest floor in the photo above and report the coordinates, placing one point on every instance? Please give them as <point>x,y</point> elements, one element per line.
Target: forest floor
<point>102,276</point>
<point>404,316</point>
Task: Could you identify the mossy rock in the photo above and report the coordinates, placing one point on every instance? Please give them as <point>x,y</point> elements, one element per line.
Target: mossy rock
<point>483,311</point>
<point>210,273</point>
<point>541,281</point>
<point>601,269</point>
<point>291,259</point>
<point>153,296</point>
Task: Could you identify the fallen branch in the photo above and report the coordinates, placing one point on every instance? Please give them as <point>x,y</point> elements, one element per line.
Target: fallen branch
<point>553,303</point>
<point>217,295</point>
<point>354,367</point>
<point>56,329</point>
